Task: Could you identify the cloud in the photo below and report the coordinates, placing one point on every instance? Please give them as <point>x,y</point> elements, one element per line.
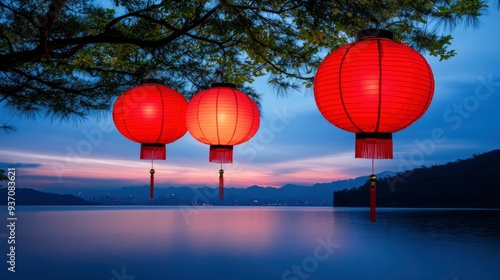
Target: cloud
<point>6,165</point>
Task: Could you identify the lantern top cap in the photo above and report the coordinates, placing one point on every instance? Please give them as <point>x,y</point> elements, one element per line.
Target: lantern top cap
<point>223,85</point>
<point>374,33</point>
<point>151,81</point>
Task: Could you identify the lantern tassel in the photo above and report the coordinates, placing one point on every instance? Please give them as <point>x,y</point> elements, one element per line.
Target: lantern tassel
<point>221,184</point>
<point>153,151</point>
<point>151,183</point>
<point>373,197</point>
<point>374,145</point>
<point>221,153</point>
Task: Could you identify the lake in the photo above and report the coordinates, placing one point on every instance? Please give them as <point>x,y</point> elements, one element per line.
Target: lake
<point>295,243</point>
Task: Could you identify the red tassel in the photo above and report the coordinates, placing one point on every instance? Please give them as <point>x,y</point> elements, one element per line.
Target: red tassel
<point>373,197</point>
<point>153,151</point>
<point>374,145</point>
<point>221,153</point>
<point>221,184</point>
<point>151,183</point>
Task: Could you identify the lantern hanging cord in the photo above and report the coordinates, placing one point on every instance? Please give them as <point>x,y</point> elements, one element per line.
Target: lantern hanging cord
<point>373,166</point>
<point>219,74</point>
<point>374,23</point>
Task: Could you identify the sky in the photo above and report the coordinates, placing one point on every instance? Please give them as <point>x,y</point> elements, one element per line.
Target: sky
<point>294,144</point>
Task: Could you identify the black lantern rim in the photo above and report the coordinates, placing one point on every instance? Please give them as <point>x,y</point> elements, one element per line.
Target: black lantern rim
<point>229,85</point>
<point>376,135</point>
<point>374,33</point>
<point>151,81</point>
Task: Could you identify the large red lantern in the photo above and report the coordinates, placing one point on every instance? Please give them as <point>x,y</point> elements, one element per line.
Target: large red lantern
<point>222,117</point>
<point>153,115</point>
<point>373,87</point>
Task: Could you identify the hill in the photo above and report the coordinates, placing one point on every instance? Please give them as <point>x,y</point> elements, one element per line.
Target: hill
<point>25,196</point>
<point>471,182</point>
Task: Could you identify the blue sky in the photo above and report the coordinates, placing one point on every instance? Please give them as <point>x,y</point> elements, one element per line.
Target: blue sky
<point>294,144</point>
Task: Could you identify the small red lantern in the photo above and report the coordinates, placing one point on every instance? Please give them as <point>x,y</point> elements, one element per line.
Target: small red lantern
<point>373,87</point>
<point>222,117</point>
<point>153,115</point>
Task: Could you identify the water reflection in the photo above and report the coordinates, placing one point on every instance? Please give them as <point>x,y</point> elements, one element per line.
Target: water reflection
<point>256,243</point>
<point>445,224</point>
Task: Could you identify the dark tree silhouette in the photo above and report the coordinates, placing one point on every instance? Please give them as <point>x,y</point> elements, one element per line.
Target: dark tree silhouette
<point>471,182</point>
<point>71,58</point>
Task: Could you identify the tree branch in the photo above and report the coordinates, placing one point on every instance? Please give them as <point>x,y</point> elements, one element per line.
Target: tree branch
<point>14,11</point>
<point>49,19</point>
<point>256,9</point>
<point>11,48</point>
<point>138,13</point>
<point>52,84</point>
<point>11,61</point>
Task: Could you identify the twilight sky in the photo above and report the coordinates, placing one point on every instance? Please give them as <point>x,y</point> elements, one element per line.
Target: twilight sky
<point>294,144</point>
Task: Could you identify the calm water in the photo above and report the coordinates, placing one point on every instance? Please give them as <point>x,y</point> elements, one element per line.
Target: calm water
<point>139,243</point>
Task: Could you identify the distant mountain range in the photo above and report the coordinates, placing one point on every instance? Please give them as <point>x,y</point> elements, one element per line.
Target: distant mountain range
<point>24,196</point>
<point>318,194</point>
<point>473,182</point>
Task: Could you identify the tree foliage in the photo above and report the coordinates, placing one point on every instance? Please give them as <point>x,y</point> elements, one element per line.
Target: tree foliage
<point>71,57</point>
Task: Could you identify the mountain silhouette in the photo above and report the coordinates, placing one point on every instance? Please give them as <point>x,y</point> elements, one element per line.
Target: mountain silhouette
<point>26,196</point>
<point>289,194</point>
<point>466,183</point>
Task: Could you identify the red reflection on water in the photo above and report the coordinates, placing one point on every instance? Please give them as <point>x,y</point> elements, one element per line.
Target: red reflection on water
<point>122,230</point>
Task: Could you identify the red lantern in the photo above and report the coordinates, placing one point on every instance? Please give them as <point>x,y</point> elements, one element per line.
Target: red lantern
<point>373,87</point>
<point>153,115</point>
<point>222,117</point>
